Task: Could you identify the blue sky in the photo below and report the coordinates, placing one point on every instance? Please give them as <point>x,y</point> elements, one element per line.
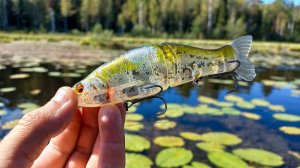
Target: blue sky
<point>296,2</point>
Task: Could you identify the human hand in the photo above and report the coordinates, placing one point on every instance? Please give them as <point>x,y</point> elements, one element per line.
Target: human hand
<point>59,134</point>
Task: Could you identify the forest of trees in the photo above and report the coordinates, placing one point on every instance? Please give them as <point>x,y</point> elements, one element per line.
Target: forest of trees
<point>209,19</point>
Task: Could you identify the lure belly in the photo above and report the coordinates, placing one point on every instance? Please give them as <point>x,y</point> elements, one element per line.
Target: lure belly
<point>132,75</point>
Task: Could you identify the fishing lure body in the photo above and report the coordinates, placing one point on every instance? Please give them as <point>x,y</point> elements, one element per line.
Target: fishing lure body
<point>130,76</point>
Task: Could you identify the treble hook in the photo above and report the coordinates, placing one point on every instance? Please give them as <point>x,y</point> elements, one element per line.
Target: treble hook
<point>130,103</point>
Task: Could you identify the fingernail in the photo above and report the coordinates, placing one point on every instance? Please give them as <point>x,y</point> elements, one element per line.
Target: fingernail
<point>61,96</point>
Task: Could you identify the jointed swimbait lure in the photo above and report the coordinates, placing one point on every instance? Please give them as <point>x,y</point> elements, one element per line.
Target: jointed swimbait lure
<point>144,72</point>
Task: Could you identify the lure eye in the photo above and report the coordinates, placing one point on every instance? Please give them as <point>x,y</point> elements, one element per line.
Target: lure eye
<point>79,88</point>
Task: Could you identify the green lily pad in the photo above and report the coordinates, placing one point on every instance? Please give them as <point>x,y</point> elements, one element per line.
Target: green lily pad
<point>290,130</point>
<point>81,71</point>
<point>245,105</point>
<point>222,138</point>
<point>174,113</point>
<point>260,102</point>
<point>234,98</point>
<point>226,160</point>
<point>132,109</point>
<point>277,108</point>
<point>133,126</point>
<point>137,161</point>
<point>27,105</point>
<point>35,91</point>
<point>136,143</point>
<point>10,124</point>
<point>230,111</point>
<point>19,76</point>
<point>134,117</point>
<point>7,89</point>
<point>164,124</point>
<point>196,164</point>
<point>171,106</point>
<point>191,136</point>
<point>223,104</point>
<point>210,147</point>
<point>259,156</point>
<point>2,112</point>
<point>40,69</point>
<point>287,117</point>
<point>207,100</point>
<point>54,74</point>
<point>251,115</point>
<point>221,81</point>
<point>169,141</point>
<point>173,157</point>
<point>71,75</point>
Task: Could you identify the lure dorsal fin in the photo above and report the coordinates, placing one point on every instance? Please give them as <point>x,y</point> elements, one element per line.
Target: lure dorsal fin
<point>242,46</point>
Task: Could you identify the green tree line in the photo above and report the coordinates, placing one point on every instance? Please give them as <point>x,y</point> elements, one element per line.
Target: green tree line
<point>209,19</point>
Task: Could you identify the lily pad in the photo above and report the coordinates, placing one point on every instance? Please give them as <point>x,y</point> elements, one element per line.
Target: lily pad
<point>35,92</point>
<point>290,130</point>
<point>191,136</point>
<point>71,75</point>
<point>2,112</point>
<point>277,108</point>
<point>210,147</point>
<point>287,117</point>
<point>221,81</point>
<point>245,105</point>
<point>137,161</point>
<point>133,126</point>
<point>259,156</point>
<point>136,143</point>
<point>54,74</point>
<point>260,102</point>
<point>40,69</point>
<point>169,141</point>
<point>19,76</point>
<point>207,100</point>
<point>173,157</point>
<point>226,160</point>
<point>132,109</point>
<point>222,138</point>
<point>251,115</point>
<point>171,106</point>
<point>223,104</point>
<point>10,124</point>
<point>164,124</point>
<point>234,98</point>
<point>231,111</point>
<point>7,89</point>
<point>196,164</point>
<point>174,113</point>
<point>134,117</point>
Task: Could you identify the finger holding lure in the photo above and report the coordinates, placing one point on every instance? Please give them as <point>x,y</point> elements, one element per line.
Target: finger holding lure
<point>144,72</point>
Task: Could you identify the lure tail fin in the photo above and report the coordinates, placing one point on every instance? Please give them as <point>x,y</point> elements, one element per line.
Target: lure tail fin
<point>242,46</point>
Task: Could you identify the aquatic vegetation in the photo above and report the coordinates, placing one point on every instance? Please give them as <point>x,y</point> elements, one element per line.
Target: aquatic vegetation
<point>260,102</point>
<point>221,81</point>
<point>164,124</point>
<point>226,160</point>
<point>230,111</point>
<point>191,136</point>
<point>35,91</point>
<point>137,161</point>
<point>133,126</point>
<point>134,117</point>
<point>222,138</point>
<point>40,69</point>
<point>207,100</point>
<point>233,98</point>
<point>174,113</point>
<point>171,106</point>
<point>251,115</point>
<point>259,156</point>
<point>277,108</point>
<point>2,112</point>
<point>80,71</point>
<point>223,104</point>
<point>290,130</point>
<point>173,157</point>
<point>19,76</point>
<point>10,124</point>
<point>210,147</point>
<point>245,105</point>
<point>287,117</point>
<point>71,75</point>
<point>7,89</point>
<point>132,109</point>
<point>136,143</point>
<point>196,164</point>
<point>295,154</point>
<point>55,74</point>
<point>168,141</point>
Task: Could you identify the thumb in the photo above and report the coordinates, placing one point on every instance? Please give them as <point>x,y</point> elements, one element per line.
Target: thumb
<point>27,140</point>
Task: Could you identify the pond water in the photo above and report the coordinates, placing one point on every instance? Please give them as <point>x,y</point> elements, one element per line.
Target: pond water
<point>249,114</point>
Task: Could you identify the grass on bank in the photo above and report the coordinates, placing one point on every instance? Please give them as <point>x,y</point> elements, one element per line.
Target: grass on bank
<point>107,39</point>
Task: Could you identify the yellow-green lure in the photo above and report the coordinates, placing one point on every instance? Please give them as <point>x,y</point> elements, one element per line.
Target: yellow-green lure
<point>133,75</point>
